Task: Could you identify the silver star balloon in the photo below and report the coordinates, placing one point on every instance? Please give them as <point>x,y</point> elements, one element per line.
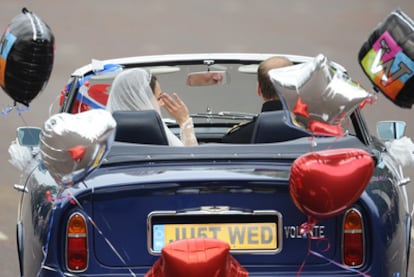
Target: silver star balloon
<point>72,145</point>
<point>317,93</point>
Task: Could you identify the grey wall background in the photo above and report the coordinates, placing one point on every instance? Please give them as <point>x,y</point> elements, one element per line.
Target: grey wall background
<point>105,29</point>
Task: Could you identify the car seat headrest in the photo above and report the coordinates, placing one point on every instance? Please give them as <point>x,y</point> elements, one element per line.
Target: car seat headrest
<point>144,127</point>
<point>274,127</point>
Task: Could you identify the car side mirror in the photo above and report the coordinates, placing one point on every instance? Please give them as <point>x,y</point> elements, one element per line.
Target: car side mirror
<point>390,130</point>
<point>28,136</point>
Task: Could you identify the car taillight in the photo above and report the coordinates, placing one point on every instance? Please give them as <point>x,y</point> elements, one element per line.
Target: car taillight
<point>353,244</point>
<point>76,243</point>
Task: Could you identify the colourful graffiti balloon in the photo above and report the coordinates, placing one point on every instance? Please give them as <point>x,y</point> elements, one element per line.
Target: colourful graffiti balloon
<point>26,57</point>
<point>387,58</point>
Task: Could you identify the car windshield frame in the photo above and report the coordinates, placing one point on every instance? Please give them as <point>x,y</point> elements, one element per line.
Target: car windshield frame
<point>243,64</point>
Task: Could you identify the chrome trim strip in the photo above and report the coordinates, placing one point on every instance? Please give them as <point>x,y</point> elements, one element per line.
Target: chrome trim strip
<point>81,71</point>
<point>21,188</point>
<point>52,269</point>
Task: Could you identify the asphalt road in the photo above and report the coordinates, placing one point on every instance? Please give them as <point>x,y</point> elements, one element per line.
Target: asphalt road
<point>105,29</point>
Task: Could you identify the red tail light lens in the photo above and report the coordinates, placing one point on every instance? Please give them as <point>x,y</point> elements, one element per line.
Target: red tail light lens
<point>353,245</point>
<point>76,243</point>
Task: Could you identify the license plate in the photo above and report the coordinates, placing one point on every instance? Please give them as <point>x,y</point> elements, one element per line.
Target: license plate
<point>257,232</point>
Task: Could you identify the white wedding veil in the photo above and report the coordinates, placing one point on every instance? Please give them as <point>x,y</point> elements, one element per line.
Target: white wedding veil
<point>131,91</point>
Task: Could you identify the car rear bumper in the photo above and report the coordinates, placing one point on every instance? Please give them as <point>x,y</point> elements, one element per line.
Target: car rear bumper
<point>54,272</point>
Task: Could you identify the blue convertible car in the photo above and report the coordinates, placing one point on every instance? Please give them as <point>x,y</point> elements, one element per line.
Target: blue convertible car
<point>297,200</point>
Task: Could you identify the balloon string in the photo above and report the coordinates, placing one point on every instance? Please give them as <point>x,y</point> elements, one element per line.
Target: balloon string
<point>302,265</point>
<point>51,106</point>
<point>19,110</point>
<point>7,110</point>
<point>54,202</point>
<point>73,198</point>
<point>312,143</point>
<point>338,264</point>
<point>46,249</point>
<point>306,230</point>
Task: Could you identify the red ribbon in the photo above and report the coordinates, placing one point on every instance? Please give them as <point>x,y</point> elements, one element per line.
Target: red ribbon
<point>306,231</point>
<point>52,199</point>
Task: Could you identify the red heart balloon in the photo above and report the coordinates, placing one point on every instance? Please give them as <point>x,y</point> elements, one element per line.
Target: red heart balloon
<point>197,258</point>
<point>324,184</point>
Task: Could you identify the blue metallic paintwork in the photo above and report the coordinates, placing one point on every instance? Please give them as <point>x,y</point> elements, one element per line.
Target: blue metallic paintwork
<point>384,214</point>
<point>388,221</point>
<point>102,197</point>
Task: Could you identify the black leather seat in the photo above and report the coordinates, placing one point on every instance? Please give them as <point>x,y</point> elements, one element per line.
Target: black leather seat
<point>274,127</point>
<point>144,127</point>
